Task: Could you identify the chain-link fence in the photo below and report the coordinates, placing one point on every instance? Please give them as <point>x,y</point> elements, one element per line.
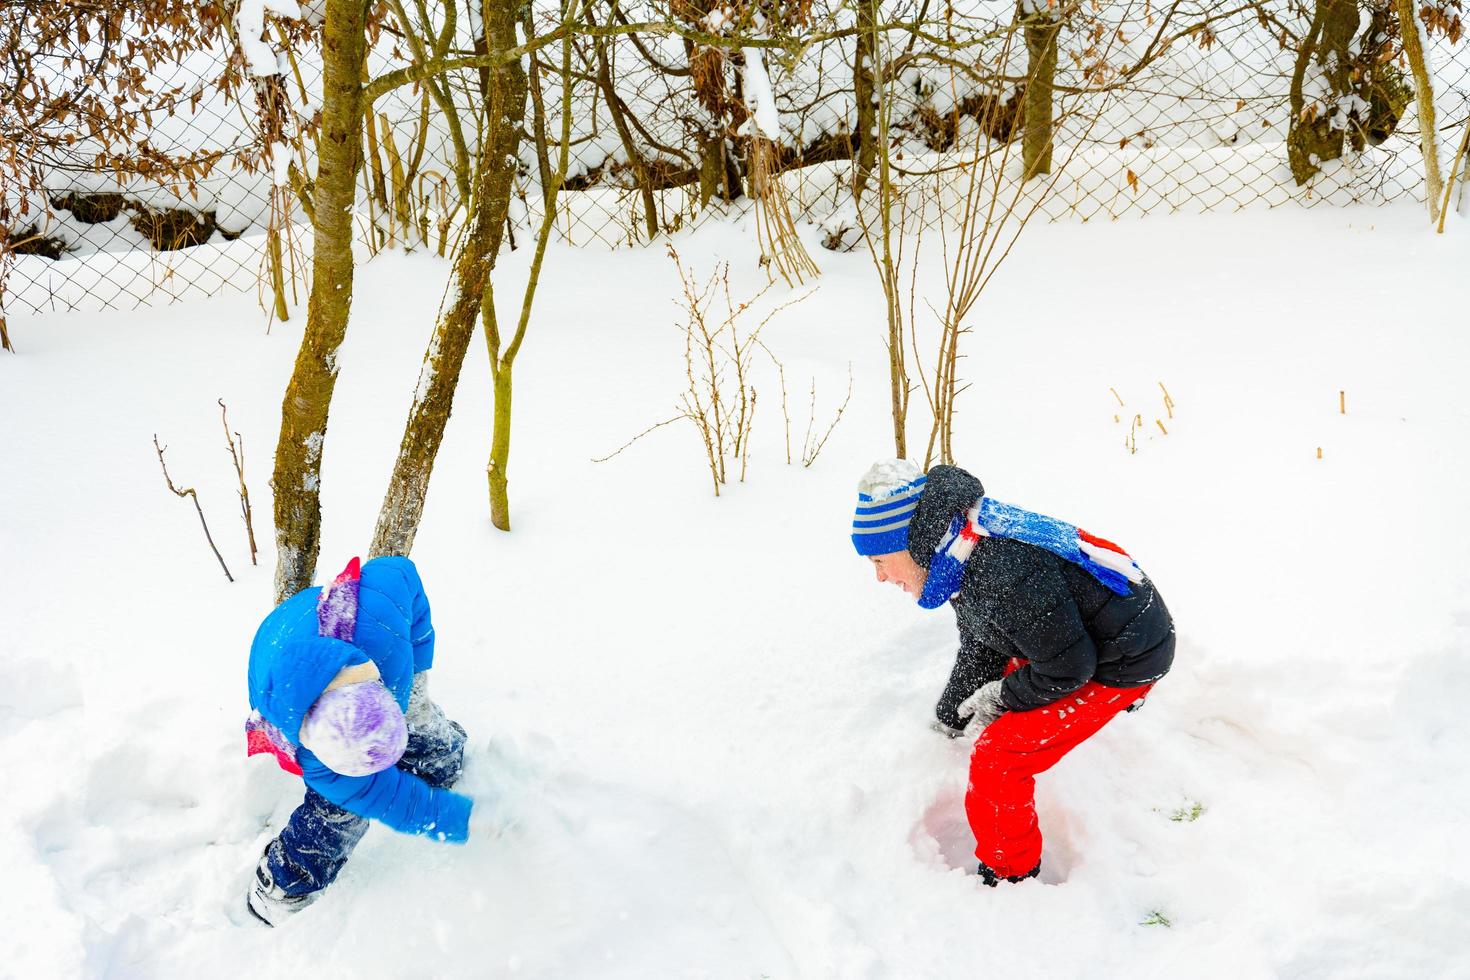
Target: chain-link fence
<point>1152,109</point>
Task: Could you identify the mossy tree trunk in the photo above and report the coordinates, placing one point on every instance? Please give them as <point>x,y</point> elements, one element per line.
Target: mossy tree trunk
<point>506,87</point>
<point>1409,25</point>
<point>502,360</point>
<point>1042,29</point>
<point>297,477</point>
<point>1315,134</point>
<point>495,471</point>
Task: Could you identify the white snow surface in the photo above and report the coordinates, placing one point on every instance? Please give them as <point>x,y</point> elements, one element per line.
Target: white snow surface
<point>699,729</point>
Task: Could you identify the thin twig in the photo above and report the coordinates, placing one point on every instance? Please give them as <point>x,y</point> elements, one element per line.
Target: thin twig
<point>238,458</point>
<point>810,453</point>
<point>785,412</point>
<point>189,492</point>
<point>656,425</point>
<point>1454,173</point>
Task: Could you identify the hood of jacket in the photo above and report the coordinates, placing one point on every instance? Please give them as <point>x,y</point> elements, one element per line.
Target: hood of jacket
<point>948,491</point>
<point>288,673</point>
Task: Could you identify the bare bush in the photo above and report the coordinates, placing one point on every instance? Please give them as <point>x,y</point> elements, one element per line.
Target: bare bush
<point>720,397</point>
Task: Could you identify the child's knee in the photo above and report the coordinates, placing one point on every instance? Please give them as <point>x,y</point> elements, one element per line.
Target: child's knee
<point>436,755</point>
<point>995,760</point>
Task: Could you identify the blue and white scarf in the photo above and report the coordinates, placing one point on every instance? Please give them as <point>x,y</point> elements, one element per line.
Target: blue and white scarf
<point>1105,561</point>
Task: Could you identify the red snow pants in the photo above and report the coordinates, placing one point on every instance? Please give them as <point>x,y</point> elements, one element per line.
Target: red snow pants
<point>1001,800</point>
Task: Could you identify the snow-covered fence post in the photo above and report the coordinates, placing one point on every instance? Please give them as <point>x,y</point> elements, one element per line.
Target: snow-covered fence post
<point>304,410</point>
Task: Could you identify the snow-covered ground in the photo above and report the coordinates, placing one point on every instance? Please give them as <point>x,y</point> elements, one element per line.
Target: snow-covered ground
<point>700,724</point>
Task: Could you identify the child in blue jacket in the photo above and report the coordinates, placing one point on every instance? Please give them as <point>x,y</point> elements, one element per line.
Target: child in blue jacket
<point>338,683</point>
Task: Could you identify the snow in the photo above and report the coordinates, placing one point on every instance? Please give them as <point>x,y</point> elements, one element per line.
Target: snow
<point>280,158</point>
<point>250,24</point>
<point>1203,130</point>
<point>758,96</point>
<point>887,477</point>
<point>699,736</point>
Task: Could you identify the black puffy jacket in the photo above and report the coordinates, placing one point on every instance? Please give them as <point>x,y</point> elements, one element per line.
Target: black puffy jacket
<point>1019,600</point>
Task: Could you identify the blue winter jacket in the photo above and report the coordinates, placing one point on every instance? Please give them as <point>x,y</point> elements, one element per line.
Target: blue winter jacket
<point>290,667</point>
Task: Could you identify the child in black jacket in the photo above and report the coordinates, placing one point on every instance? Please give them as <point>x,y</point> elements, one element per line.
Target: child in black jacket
<point>1059,632</point>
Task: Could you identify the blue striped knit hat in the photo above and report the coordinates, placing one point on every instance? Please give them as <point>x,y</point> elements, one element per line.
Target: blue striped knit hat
<point>888,495</point>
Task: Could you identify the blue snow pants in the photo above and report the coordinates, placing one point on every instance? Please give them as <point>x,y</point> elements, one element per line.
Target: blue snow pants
<point>308,854</point>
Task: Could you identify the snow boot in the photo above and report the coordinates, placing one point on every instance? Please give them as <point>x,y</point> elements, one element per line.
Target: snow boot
<point>268,902</point>
<point>993,880</point>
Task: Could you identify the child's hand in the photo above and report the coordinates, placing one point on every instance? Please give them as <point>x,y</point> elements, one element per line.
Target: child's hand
<point>982,707</point>
<point>491,818</point>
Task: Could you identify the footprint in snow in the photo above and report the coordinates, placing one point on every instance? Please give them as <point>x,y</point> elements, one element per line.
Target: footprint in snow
<point>943,837</point>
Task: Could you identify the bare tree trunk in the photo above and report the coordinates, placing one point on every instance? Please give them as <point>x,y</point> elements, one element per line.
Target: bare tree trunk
<point>1313,136</point>
<point>864,63</point>
<point>6,258</point>
<point>711,168</point>
<point>718,173</point>
<point>635,158</point>
<point>886,247</point>
<point>270,99</point>
<point>538,108</point>
<point>403,504</point>
<point>1409,26</point>
<point>1042,31</point>
<point>297,476</point>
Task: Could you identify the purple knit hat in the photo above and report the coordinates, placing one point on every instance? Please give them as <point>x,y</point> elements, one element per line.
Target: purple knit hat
<point>356,729</point>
